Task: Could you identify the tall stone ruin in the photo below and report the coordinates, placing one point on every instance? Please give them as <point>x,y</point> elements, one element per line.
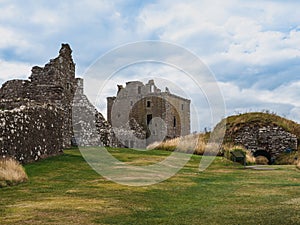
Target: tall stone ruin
<point>36,114</point>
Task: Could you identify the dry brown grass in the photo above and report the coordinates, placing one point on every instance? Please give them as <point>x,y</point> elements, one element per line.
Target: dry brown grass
<point>250,159</point>
<point>261,160</point>
<point>11,172</point>
<point>288,158</point>
<point>196,143</point>
<point>228,147</point>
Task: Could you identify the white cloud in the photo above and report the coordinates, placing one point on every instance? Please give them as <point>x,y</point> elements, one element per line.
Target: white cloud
<point>11,38</point>
<point>235,30</point>
<point>283,100</point>
<point>252,46</point>
<point>14,70</point>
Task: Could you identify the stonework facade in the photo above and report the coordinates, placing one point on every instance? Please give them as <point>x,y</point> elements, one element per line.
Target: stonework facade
<point>161,115</point>
<point>54,83</point>
<point>31,132</point>
<point>36,114</point>
<point>269,140</point>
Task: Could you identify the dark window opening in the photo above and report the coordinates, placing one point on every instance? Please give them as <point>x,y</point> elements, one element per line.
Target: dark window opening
<point>139,90</point>
<point>174,121</point>
<point>181,106</point>
<point>148,104</point>
<point>149,118</point>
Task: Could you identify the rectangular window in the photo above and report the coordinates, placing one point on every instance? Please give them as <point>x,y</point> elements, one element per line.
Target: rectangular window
<point>148,104</point>
<point>174,121</point>
<point>149,118</point>
<point>181,106</point>
<point>139,90</point>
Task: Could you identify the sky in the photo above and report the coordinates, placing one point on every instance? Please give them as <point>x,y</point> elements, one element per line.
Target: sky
<point>251,47</point>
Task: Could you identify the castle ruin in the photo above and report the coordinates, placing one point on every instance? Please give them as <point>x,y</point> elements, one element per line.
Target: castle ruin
<point>161,115</point>
<point>36,114</point>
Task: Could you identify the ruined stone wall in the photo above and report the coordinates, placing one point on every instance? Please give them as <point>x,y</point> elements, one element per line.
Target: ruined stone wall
<point>272,139</point>
<point>47,130</point>
<point>142,101</point>
<point>31,132</point>
<point>14,89</point>
<point>89,126</point>
<point>54,83</point>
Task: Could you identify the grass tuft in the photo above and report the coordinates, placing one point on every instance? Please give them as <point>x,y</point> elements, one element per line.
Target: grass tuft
<point>193,143</point>
<point>287,158</point>
<point>11,172</point>
<point>261,160</point>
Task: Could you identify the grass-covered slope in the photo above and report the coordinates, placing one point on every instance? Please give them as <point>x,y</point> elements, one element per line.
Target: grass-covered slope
<point>234,123</point>
<point>65,190</point>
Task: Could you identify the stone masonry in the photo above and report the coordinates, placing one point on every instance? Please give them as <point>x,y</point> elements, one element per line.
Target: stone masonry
<point>272,139</point>
<point>54,83</point>
<point>36,114</point>
<point>31,132</point>
<point>161,115</point>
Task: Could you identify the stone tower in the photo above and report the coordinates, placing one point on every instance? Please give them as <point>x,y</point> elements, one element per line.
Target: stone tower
<point>162,115</point>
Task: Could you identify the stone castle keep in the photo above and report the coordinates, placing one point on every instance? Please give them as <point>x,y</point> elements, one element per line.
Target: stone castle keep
<point>161,115</point>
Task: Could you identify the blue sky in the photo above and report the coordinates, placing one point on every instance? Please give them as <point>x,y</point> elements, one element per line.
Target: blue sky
<point>252,47</point>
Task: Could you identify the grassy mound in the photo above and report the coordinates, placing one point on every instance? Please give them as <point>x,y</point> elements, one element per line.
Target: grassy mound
<point>234,123</point>
<point>11,173</point>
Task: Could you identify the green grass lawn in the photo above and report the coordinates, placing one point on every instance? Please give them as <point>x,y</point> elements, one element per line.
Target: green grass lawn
<point>65,190</point>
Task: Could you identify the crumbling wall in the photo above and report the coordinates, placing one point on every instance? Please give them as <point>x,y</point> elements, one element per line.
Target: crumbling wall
<point>14,89</point>
<point>21,101</point>
<point>31,132</point>
<point>89,126</point>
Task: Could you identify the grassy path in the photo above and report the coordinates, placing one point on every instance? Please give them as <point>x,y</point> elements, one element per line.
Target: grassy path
<point>65,190</point>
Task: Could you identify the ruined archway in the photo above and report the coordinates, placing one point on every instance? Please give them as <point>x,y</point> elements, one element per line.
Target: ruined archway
<point>264,153</point>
